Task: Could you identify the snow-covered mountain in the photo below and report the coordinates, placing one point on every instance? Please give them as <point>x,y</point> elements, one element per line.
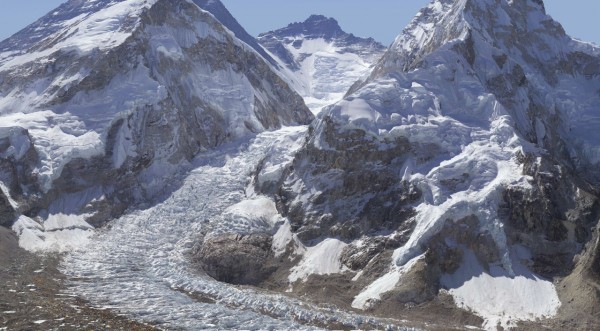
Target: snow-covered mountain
<point>465,166</point>
<point>454,186</point>
<point>323,59</point>
<point>101,102</point>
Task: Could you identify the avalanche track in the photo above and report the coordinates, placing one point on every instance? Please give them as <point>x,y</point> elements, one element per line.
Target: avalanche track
<point>139,265</point>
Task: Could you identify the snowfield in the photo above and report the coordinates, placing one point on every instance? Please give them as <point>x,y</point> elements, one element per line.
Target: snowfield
<point>319,59</point>
<point>326,72</point>
<point>501,298</point>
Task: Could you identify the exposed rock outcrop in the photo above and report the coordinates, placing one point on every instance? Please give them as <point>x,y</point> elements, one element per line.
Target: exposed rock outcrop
<point>237,259</point>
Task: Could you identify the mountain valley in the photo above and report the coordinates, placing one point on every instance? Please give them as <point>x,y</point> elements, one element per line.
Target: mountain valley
<point>161,168</point>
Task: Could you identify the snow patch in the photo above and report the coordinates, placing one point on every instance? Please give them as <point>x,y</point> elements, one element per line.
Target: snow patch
<point>61,221</point>
<point>322,259</point>
<point>259,208</point>
<point>282,238</point>
<point>35,237</point>
<point>372,293</point>
<point>124,146</point>
<point>58,138</point>
<point>326,69</point>
<point>357,111</point>
<point>4,190</point>
<point>19,141</point>
<point>498,297</point>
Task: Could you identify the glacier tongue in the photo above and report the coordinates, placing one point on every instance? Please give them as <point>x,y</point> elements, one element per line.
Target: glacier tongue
<point>140,265</point>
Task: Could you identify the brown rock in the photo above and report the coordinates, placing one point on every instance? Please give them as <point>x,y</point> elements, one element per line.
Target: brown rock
<point>237,259</point>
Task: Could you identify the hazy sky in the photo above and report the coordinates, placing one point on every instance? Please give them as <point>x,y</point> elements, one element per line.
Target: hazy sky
<point>381,19</point>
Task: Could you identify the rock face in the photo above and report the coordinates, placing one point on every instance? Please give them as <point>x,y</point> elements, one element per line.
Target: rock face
<point>323,59</point>
<point>356,170</point>
<point>468,155</point>
<point>117,96</point>
<point>237,259</point>
<point>18,160</point>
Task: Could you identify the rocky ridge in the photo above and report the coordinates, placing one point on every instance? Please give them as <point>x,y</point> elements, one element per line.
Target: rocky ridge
<point>465,164</point>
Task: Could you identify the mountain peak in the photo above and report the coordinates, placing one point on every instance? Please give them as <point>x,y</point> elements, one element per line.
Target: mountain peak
<point>315,26</point>
<point>317,46</point>
<point>321,21</point>
<point>328,27</point>
<point>502,24</point>
<point>216,8</point>
<point>107,20</point>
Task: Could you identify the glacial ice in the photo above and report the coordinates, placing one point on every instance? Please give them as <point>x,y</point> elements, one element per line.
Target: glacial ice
<point>139,265</point>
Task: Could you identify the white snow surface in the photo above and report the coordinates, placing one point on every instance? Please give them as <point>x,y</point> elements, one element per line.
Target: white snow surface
<point>18,140</point>
<point>541,48</point>
<point>101,29</point>
<point>260,207</point>
<point>58,138</point>
<point>139,266</point>
<point>63,233</point>
<point>321,259</point>
<point>282,238</point>
<point>326,70</point>
<point>4,190</point>
<point>498,297</point>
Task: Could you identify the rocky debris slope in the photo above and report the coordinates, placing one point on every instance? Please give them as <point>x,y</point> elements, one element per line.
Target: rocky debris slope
<point>465,164</point>
<point>32,295</point>
<point>323,59</point>
<point>103,102</point>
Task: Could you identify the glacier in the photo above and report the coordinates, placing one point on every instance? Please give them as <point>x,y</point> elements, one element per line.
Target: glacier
<point>455,171</point>
<point>139,265</point>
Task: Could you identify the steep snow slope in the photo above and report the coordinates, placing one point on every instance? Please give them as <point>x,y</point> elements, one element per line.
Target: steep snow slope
<point>324,60</point>
<point>96,24</point>
<point>466,160</point>
<point>116,96</point>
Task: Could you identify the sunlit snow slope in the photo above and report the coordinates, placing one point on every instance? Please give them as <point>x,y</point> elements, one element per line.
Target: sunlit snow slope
<point>323,59</point>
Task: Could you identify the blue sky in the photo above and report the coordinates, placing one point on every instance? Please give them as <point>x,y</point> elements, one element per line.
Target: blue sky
<point>383,19</point>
